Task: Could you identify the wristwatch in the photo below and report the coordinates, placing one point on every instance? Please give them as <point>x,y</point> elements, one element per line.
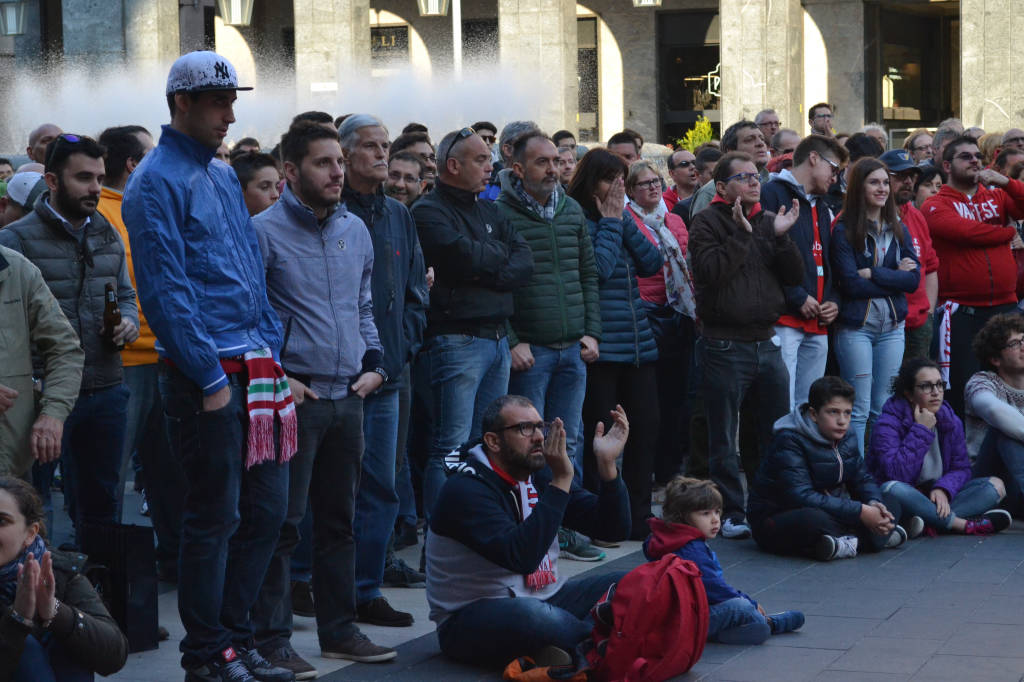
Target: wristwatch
<point>56,609</point>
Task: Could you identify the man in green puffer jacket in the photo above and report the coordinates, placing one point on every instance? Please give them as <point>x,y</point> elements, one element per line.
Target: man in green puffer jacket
<point>557,321</point>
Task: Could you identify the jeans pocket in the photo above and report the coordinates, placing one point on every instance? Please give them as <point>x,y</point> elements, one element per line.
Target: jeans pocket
<point>717,345</point>
<point>445,342</point>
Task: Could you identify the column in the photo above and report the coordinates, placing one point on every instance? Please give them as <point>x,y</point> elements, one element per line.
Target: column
<point>151,33</point>
<point>538,41</point>
<point>762,59</point>
<point>332,42</point>
<point>991,63</point>
<point>839,23</point>
<point>93,31</point>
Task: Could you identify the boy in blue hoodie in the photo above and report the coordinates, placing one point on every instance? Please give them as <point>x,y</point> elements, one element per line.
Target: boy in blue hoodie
<point>692,514</point>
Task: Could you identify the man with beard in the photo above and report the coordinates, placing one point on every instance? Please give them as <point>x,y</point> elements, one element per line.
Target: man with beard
<point>968,220</point>
<point>80,254</point>
<point>682,168</point>
<point>903,174</point>
<point>405,178</point>
<point>493,583</point>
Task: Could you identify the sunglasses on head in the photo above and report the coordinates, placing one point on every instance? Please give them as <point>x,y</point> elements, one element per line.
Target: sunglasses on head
<point>445,151</point>
<point>62,140</point>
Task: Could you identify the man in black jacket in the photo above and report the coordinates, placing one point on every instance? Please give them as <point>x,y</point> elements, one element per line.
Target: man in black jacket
<point>742,258</point>
<point>492,555</point>
<point>478,260</point>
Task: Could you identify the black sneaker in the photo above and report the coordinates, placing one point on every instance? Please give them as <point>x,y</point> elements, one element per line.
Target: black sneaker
<point>358,648</point>
<point>302,599</point>
<point>379,612</point>
<point>285,657</point>
<point>405,536</point>
<point>397,573</point>
<point>228,667</point>
<point>262,669</point>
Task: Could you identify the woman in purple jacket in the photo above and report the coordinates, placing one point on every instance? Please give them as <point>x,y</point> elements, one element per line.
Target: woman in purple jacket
<point>918,454</point>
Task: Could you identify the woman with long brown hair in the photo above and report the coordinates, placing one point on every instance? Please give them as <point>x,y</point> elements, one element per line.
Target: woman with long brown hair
<point>875,267</point>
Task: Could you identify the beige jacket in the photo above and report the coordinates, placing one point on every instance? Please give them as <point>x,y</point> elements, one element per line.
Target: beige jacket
<point>31,321</point>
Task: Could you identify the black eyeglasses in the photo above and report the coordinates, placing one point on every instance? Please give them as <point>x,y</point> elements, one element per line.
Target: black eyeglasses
<point>937,387</point>
<point>527,429</point>
<point>445,151</point>
<point>649,184</point>
<point>1014,140</point>
<point>1014,344</point>
<point>61,140</point>
<point>744,177</point>
<point>682,164</point>
<point>489,139</point>
<point>967,156</point>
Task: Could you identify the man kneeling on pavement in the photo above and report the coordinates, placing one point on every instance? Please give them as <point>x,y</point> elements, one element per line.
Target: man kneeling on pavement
<point>492,552</point>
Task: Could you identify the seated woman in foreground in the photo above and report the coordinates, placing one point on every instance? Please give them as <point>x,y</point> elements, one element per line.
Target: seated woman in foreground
<point>812,493</point>
<point>919,450</point>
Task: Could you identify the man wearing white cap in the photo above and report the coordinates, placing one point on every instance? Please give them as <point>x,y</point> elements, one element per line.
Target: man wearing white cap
<point>230,416</point>
<point>22,191</point>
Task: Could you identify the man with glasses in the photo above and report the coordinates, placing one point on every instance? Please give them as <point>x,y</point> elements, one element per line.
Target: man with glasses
<point>405,178</point>
<point>493,582</point>
<point>820,118</point>
<point>969,224</point>
<point>487,131</point>
<point>919,146</point>
<point>682,168</point>
<point>903,173</point>
<point>813,304</point>
<point>742,259</point>
<point>418,143</point>
<point>768,121</point>
<point>80,255</point>
<point>479,261</point>
<point>202,284</point>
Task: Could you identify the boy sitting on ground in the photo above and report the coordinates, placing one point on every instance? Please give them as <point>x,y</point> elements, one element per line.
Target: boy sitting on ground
<point>692,514</point>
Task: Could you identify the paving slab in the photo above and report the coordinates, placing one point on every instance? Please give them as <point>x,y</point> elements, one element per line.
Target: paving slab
<point>943,668</point>
<point>887,655</point>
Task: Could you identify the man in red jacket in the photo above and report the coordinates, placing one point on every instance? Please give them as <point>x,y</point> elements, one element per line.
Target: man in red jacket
<point>921,304</point>
<point>977,273</point>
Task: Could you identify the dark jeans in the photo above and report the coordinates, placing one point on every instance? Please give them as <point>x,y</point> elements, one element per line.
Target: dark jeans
<point>674,334</point>
<point>146,434</point>
<point>635,388</point>
<point>1003,456</point>
<point>46,662</point>
<point>231,520</point>
<point>403,470</point>
<point>91,459</point>
<point>492,632</point>
<point>796,531</point>
<point>376,499</point>
<point>965,323</point>
<point>732,371</point>
<point>324,471</point>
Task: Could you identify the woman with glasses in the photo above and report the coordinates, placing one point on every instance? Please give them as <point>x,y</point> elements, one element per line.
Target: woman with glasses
<point>918,455</point>
<point>624,372</point>
<point>875,266</point>
<point>667,298</point>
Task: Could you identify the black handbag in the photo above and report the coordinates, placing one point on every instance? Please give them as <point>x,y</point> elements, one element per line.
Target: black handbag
<point>128,582</point>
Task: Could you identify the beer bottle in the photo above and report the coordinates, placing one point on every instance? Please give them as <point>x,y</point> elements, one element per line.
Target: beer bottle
<point>111,317</point>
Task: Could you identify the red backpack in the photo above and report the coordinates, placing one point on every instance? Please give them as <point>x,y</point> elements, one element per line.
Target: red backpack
<point>651,625</point>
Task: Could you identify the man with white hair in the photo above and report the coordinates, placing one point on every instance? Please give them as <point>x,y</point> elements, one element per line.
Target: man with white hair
<point>768,121</point>
<point>1013,139</point>
<point>399,289</point>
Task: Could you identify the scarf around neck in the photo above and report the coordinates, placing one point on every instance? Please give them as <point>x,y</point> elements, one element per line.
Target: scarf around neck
<point>9,571</point>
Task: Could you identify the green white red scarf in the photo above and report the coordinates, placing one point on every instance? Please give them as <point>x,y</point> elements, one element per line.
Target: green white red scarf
<point>269,395</point>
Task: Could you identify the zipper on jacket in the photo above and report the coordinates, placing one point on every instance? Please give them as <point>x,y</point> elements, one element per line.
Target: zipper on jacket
<point>330,299</point>
<point>553,233</point>
<point>839,458</point>
<point>632,310</point>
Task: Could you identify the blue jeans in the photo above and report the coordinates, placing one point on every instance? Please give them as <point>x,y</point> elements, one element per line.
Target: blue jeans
<point>556,385</point>
<point>376,500</point>
<point>46,662</point>
<point>231,519</point>
<point>1003,456</point>
<point>805,355</point>
<point>868,359</point>
<point>493,632</point>
<point>322,478</point>
<point>403,471</point>
<point>91,460</point>
<point>467,373</point>
<point>976,497</point>
<point>736,621</point>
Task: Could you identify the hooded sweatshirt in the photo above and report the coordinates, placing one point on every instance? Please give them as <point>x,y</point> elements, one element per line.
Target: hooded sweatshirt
<point>688,543</point>
<point>971,238</point>
<point>804,469</point>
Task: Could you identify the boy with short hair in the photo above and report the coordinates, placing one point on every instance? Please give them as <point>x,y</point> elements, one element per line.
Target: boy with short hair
<point>812,493</point>
<point>692,514</point>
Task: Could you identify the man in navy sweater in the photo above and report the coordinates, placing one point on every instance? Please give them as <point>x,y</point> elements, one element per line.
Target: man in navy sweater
<point>492,553</point>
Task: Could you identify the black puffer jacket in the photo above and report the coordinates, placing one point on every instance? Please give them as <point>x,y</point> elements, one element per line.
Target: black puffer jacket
<point>803,469</point>
<point>478,261</point>
<point>82,625</point>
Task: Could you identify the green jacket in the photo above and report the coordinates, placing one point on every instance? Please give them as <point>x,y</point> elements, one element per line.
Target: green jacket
<point>560,302</point>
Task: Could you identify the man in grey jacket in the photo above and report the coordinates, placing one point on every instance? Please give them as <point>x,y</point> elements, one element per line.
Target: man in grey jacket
<point>79,253</point>
<point>319,259</point>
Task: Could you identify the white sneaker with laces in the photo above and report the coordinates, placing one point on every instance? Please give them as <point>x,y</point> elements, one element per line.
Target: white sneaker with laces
<point>735,530</point>
<point>846,547</point>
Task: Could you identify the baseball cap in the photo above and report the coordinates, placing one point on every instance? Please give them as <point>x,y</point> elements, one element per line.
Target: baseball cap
<point>898,160</point>
<point>202,70</point>
<point>24,188</point>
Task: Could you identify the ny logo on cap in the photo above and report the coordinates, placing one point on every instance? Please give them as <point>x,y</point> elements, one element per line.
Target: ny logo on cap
<point>221,69</point>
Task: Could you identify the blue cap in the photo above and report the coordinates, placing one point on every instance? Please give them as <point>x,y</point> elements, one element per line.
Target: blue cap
<point>898,160</point>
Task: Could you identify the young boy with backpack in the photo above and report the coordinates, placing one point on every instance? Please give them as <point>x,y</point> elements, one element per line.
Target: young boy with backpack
<point>691,515</point>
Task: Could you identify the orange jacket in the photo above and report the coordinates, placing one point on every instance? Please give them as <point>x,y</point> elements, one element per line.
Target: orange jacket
<point>141,352</point>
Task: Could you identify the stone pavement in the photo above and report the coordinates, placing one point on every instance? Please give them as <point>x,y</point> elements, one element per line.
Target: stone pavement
<point>947,608</point>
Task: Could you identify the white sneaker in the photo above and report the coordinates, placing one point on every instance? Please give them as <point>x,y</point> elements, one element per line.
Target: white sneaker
<point>735,530</point>
<point>896,538</point>
<point>846,547</point>
<point>915,526</point>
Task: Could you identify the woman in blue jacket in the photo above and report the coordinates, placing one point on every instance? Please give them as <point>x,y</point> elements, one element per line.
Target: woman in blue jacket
<point>875,265</point>
<point>623,370</point>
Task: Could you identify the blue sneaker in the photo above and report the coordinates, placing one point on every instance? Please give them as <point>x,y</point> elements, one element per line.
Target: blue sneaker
<point>787,621</point>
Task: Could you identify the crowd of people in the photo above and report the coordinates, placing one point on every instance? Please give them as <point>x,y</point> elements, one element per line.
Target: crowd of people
<point>298,353</point>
